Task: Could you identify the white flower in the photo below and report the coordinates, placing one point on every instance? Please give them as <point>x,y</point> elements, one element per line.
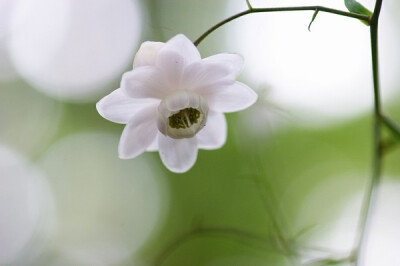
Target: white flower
<point>173,101</point>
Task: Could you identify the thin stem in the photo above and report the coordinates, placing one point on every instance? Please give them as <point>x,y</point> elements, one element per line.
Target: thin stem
<point>370,195</point>
<point>270,207</point>
<point>281,9</point>
<point>249,5</point>
<point>233,233</point>
<point>326,261</point>
<point>377,12</point>
<point>395,129</point>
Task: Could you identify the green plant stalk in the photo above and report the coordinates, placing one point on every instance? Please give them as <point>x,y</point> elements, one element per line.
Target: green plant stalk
<point>281,9</point>
<point>369,198</point>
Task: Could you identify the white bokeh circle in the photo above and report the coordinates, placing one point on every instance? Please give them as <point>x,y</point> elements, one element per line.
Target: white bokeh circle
<point>7,71</point>
<point>72,50</point>
<point>321,76</point>
<point>107,207</point>
<point>26,209</point>
<point>336,236</point>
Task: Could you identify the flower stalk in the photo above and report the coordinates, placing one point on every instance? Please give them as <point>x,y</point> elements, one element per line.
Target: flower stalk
<point>252,10</point>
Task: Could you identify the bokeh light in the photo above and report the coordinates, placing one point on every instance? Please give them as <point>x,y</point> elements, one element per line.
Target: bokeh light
<point>73,50</point>
<point>264,117</point>
<point>106,207</point>
<point>339,231</point>
<point>26,209</point>
<point>320,76</point>
<point>7,71</point>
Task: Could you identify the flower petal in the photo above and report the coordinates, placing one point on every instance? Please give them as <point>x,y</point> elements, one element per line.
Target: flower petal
<point>154,145</point>
<point>230,98</point>
<point>146,55</point>
<point>119,107</point>
<point>178,155</point>
<point>144,82</point>
<point>199,76</point>
<point>181,45</point>
<point>139,133</point>
<point>212,73</point>
<point>233,61</point>
<point>174,56</point>
<point>213,135</point>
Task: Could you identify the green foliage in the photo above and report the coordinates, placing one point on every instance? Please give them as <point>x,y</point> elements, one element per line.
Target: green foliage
<point>355,7</point>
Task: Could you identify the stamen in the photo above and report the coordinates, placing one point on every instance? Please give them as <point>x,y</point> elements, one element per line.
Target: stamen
<point>182,115</point>
<point>188,124</point>
<point>185,118</point>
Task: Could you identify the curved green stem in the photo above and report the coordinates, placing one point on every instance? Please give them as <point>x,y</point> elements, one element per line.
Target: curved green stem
<point>281,9</point>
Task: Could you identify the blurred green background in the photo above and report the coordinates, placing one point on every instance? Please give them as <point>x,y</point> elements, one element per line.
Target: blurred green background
<point>284,190</point>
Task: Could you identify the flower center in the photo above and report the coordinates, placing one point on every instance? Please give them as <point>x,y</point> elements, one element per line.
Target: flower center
<point>184,118</point>
<point>182,114</point>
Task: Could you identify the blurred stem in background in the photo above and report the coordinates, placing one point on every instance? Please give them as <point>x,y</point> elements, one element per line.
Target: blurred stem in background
<point>371,192</point>
<point>286,243</point>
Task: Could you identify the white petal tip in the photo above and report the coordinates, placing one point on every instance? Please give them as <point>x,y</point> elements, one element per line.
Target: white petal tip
<point>99,107</point>
<point>178,156</point>
<point>101,110</point>
<point>232,98</point>
<point>180,36</point>
<point>100,103</point>
<point>124,156</point>
<point>179,170</point>
<point>253,97</point>
<point>247,95</point>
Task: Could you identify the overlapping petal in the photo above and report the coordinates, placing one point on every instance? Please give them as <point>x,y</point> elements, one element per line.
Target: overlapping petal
<point>213,135</point>
<point>144,82</point>
<point>200,76</point>
<point>182,46</point>
<point>174,56</point>
<point>139,133</point>
<point>213,73</point>
<point>233,61</point>
<point>231,98</point>
<point>178,155</point>
<point>119,107</point>
<point>146,55</point>
<point>154,145</point>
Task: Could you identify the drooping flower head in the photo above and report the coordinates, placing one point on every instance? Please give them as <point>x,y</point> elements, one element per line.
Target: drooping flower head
<point>173,102</point>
